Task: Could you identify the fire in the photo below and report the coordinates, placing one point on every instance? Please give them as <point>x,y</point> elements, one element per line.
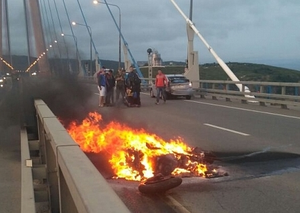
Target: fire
<point>134,153</point>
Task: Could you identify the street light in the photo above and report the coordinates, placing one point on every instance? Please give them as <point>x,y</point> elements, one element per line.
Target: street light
<point>191,10</point>
<point>75,38</point>
<point>99,2</point>
<point>91,41</point>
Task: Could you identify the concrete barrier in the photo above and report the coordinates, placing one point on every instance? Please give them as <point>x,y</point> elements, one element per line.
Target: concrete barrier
<point>76,185</point>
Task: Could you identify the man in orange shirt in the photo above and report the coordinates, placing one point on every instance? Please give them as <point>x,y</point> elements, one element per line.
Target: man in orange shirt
<point>160,83</point>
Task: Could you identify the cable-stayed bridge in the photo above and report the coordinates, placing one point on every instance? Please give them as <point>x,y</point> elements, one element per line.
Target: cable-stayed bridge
<point>44,170</point>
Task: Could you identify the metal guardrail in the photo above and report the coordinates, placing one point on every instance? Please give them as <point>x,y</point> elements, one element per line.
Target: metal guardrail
<point>284,94</point>
<point>73,182</point>
<point>281,93</point>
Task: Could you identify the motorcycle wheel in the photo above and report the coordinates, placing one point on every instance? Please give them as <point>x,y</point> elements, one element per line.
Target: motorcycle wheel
<point>159,186</point>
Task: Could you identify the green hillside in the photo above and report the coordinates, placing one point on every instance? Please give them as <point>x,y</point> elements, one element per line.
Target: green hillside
<point>211,71</point>
<point>244,71</point>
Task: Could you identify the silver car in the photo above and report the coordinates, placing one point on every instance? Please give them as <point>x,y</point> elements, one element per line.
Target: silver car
<point>178,85</point>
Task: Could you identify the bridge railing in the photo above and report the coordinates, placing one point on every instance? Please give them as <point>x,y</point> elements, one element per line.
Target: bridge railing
<point>73,182</point>
<point>280,93</point>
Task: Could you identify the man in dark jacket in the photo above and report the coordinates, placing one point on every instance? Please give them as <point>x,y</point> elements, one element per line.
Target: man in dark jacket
<point>120,87</point>
<point>133,88</point>
<point>110,85</point>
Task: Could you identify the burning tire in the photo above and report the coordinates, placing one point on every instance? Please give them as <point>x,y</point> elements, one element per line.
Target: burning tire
<point>159,184</point>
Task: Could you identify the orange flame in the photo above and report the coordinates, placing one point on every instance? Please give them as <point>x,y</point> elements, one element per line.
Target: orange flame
<point>120,141</point>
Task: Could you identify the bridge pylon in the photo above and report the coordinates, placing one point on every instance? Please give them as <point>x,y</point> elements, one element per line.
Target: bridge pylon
<point>40,46</point>
<point>192,70</point>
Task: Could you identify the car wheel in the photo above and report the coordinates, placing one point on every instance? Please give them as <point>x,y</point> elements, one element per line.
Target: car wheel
<point>188,97</point>
<point>151,93</point>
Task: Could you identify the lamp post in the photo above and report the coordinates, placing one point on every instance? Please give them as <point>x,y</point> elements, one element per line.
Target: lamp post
<point>120,18</point>
<point>91,41</point>
<point>191,10</point>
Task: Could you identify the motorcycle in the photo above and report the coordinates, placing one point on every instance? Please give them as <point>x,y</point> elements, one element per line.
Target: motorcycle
<point>165,165</point>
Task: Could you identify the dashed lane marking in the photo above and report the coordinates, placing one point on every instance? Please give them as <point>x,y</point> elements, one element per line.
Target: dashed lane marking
<point>225,129</point>
<point>249,110</point>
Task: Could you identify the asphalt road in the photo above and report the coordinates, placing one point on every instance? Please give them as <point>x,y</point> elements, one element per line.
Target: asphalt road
<point>258,146</point>
<point>10,164</point>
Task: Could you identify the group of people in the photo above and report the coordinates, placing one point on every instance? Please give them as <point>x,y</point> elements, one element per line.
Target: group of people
<point>125,85</point>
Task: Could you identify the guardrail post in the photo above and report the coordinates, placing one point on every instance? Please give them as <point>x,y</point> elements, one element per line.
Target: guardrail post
<point>214,87</point>
<point>283,90</point>
<point>227,88</point>
<point>261,89</point>
<point>201,90</point>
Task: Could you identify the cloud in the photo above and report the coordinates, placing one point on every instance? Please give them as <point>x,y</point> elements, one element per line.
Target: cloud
<point>238,30</point>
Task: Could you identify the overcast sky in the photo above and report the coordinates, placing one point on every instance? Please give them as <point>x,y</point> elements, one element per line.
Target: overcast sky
<point>255,31</point>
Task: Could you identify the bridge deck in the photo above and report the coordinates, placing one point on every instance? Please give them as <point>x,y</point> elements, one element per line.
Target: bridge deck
<point>10,155</point>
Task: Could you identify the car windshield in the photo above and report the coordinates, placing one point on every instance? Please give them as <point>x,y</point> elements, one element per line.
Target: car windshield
<point>178,79</point>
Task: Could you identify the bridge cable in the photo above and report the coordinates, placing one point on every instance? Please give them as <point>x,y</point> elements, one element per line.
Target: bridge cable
<point>53,25</point>
<point>90,33</point>
<point>75,41</point>
<point>28,26</point>
<point>210,49</point>
<point>52,37</point>
<point>45,25</point>
<point>61,30</point>
<point>8,31</point>
<point>124,41</point>
<point>55,35</point>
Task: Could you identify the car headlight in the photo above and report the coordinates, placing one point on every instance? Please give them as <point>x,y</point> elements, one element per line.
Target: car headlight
<point>190,84</point>
<point>1,80</point>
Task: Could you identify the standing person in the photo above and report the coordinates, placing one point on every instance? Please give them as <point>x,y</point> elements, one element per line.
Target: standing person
<point>101,87</point>
<point>133,88</point>
<point>160,83</point>
<point>120,87</point>
<point>110,85</point>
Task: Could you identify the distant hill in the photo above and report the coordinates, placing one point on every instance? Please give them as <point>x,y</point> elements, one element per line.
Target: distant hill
<point>250,72</point>
<point>209,71</point>
<point>244,71</point>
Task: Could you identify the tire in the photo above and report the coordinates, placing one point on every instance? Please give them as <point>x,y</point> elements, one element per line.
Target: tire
<point>188,97</point>
<point>159,186</point>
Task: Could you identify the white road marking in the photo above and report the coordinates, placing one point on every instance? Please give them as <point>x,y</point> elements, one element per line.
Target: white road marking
<point>225,129</point>
<point>249,110</point>
<point>178,205</point>
<point>265,150</point>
